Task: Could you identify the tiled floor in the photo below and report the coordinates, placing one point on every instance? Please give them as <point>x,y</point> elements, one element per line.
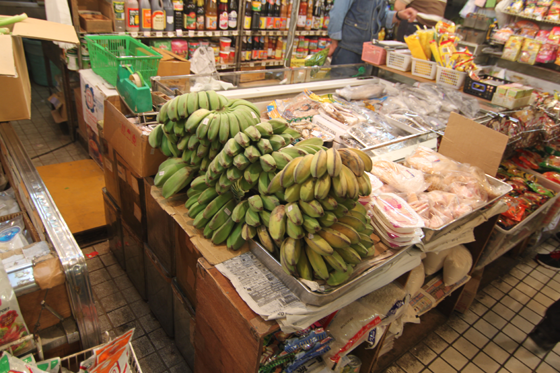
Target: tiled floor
<point>41,134</point>
<point>492,335</point>
<point>121,308</point>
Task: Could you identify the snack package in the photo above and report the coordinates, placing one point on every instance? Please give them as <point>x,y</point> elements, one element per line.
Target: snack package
<point>529,51</point>
<point>554,12</point>
<point>547,53</point>
<point>540,12</point>
<point>12,325</point>
<point>530,6</point>
<point>502,35</point>
<point>113,356</point>
<point>554,35</point>
<point>512,47</point>
<point>552,176</point>
<point>516,6</point>
<point>11,364</point>
<point>12,234</point>
<point>516,208</point>
<point>543,35</point>
<point>552,162</point>
<point>544,3</point>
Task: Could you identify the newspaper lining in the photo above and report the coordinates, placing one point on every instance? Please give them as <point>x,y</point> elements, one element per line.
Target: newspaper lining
<point>432,293</point>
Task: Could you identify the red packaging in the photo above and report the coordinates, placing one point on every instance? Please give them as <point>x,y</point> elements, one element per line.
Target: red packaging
<point>552,176</point>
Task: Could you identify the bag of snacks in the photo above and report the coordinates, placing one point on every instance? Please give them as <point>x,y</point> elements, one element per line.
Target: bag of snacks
<point>552,176</point>
<point>554,12</point>
<point>529,51</point>
<point>547,53</point>
<point>512,48</point>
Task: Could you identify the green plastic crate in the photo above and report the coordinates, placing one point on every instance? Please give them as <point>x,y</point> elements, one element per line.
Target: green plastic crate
<point>107,52</point>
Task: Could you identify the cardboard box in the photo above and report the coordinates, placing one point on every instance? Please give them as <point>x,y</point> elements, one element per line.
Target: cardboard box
<point>82,126</point>
<point>172,64</point>
<point>59,113</point>
<point>95,90</point>
<point>131,189</point>
<point>103,7</point>
<point>129,141</point>
<point>95,22</point>
<point>244,78</point>
<point>15,96</point>
<point>94,147</point>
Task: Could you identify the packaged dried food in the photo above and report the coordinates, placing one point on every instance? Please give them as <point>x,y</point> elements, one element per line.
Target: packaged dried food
<point>395,212</point>
<point>540,12</point>
<point>512,47</point>
<point>529,51</point>
<point>516,6</point>
<point>554,35</point>
<point>552,162</point>
<point>552,176</point>
<point>538,188</point>
<point>554,12</point>
<point>399,177</point>
<point>547,53</point>
<point>516,208</point>
<point>506,223</point>
<point>544,3</point>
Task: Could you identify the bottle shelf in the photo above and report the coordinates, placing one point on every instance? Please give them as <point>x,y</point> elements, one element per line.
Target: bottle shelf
<point>262,63</point>
<point>312,33</point>
<point>265,32</point>
<point>171,34</point>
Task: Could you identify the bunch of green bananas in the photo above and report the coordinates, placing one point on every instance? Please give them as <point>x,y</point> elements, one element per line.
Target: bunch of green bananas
<point>173,175</point>
<point>195,126</point>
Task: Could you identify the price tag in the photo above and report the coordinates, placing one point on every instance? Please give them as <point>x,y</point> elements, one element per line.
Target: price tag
<point>134,34</point>
<point>159,34</point>
<point>252,64</point>
<point>170,34</point>
<point>263,63</point>
<point>191,33</point>
<point>209,33</point>
<point>179,33</point>
<point>147,34</point>
<point>235,33</point>
<point>304,33</point>
<point>122,33</point>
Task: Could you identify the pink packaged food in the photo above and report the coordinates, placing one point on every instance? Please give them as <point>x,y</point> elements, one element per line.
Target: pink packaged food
<point>400,235</point>
<point>396,212</point>
<point>393,243</point>
<point>180,47</point>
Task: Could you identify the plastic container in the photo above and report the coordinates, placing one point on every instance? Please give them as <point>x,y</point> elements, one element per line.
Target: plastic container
<point>107,52</point>
<point>402,235</point>
<point>450,78</point>
<point>401,60</point>
<point>423,68</point>
<point>374,54</point>
<point>480,89</point>
<point>396,213</point>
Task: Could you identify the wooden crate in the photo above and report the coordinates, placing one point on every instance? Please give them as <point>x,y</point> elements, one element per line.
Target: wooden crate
<point>187,256</point>
<point>229,336</point>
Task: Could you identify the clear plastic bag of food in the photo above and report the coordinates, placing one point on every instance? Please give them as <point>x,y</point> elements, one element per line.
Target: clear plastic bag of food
<point>372,89</point>
<point>12,234</point>
<point>8,203</point>
<point>399,177</point>
<point>395,212</point>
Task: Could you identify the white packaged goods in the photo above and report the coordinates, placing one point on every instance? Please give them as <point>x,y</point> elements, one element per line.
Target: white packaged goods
<point>456,265</point>
<point>434,261</point>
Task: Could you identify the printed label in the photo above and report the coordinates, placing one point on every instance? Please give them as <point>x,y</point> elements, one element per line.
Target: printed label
<point>205,121</point>
<point>247,23</point>
<point>226,210</point>
<point>161,173</point>
<point>211,22</point>
<point>223,21</point>
<point>133,17</point>
<point>232,19</point>
<point>310,236</point>
<point>290,208</point>
<point>118,7</point>
<point>301,21</point>
<point>147,18</point>
<point>158,20</point>
<point>8,234</point>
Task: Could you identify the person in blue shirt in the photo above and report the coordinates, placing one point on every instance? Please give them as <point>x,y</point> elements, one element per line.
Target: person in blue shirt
<point>353,22</point>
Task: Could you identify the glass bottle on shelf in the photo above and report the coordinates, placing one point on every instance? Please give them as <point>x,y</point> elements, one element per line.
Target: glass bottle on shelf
<point>158,16</point>
<point>278,51</point>
<point>211,15</point>
<point>200,15</point>
<point>247,16</point>
<point>255,21</point>
<point>132,15</point>
<point>255,51</point>
<point>271,46</point>
<point>289,14</point>
<point>232,15</point>
<point>263,20</point>
<point>317,15</point>
<point>309,17</point>
<point>120,15</point>
<point>178,16</point>
<point>223,15</point>
<point>277,19</point>
<point>283,15</point>
<point>302,15</point>
<point>270,18</point>
<point>262,46</point>
<point>145,15</point>
<point>168,12</point>
<point>327,17</point>
<point>189,22</point>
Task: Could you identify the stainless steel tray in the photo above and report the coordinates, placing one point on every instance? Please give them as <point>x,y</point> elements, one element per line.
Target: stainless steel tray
<point>430,234</point>
<point>305,294</point>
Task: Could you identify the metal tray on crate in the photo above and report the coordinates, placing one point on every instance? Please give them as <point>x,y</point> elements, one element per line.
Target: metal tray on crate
<point>430,234</point>
<point>305,294</point>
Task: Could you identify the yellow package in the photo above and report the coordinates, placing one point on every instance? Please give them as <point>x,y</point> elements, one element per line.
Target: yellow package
<point>435,52</point>
<point>415,47</point>
<point>425,36</point>
<point>445,27</point>
<point>529,51</point>
<point>446,50</point>
<point>512,47</point>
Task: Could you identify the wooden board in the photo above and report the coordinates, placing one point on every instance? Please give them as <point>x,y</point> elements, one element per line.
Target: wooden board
<point>30,306</point>
<point>76,190</point>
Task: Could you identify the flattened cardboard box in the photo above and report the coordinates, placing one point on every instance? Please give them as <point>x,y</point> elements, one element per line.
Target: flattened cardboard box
<point>15,95</point>
<point>129,141</point>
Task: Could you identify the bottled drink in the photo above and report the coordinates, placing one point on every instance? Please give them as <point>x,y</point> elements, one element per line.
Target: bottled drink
<point>317,15</point>
<point>302,15</point>
<point>256,5</point>
<point>278,51</point>
<point>211,15</point>
<point>120,17</point>
<point>277,20</point>
<point>145,15</point>
<point>255,51</point>
<point>232,16</point>
<point>132,15</point>
<point>289,14</point>
<point>247,16</point>
<point>158,16</point>
<point>243,48</point>
<point>262,46</point>
<point>327,17</point>
<point>178,17</point>
<point>189,20</point>
<point>271,46</point>
<point>283,15</point>
<point>309,17</point>
<point>168,11</point>
<point>223,15</point>
<point>264,15</point>
<point>200,15</point>
<point>270,19</point>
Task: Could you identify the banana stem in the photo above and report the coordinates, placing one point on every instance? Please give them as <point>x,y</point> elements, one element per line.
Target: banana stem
<point>11,20</point>
<point>4,30</point>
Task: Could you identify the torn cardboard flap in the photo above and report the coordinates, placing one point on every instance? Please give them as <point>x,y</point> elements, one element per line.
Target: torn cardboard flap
<point>48,272</point>
<point>470,142</point>
<point>44,30</point>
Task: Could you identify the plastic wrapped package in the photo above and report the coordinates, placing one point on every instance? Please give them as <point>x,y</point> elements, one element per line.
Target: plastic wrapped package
<point>9,364</point>
<point>415,280</point>
<point>12,235</point>
<point>362,92</point>
<point>457,264</point>
<point>396,213</point>
<point>399,177</point>
<point>8,203</point>
<point>434,261</point>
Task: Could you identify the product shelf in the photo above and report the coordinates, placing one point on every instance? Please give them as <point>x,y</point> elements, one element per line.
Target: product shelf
<point>532,18</point>
<point>171,34</point>
<point>262,63</point>
<point>312,33</point>
<point>265,32</point>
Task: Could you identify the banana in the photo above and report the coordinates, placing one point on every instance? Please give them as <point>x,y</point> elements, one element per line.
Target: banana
<point>294,213</point>
<point>371,251</point>
<point>348,231</point>
<point>365,239</point>
<point>360,249</point>
<point>242,139</point>
<point>352,161</point>
<point>313,208</point>
<point>182,144</point>
<point>207,196</point>
<point>202,151</point>
<point>235,239</point>
<point>217,203</point>
<point>193,192</point>
<point>357,215</point>
<point>334,163</point>
<point>241,162</point>
<point>349,203</point>
<point>336,239</point>
<point>265,239</point>
<point>349,255</point>
<point>203,100</point>
<point>286,266</point>
<point>340,185</point>
<point>177,181</point>
<point>278,125</point>
<point>359,208</point>
<point>281,159</point>
<point>366,160</point>
<point>233,174</point>
<point>275,185</point>
<point>307,190</point>
<point>195,159</point>
<point>328,219</point>
<point>252,218</point>
<point>291,249</point>
<point>233,124</point>
<point>303,169</point>
<point>244,118</point>
<point>265,129</point>
<point>265,218</point>
<point>204,126</point>
<point>245,185</point>
<point>238,214</point>
<point>223,214</point>
<point>172,109</point>
<point>287,178</point>
<point>232,148</point>
<point>368,230</point>
<point>277,224</point>
<point>195,210</point>
<point>168,162</point>
<point>294,231</point>
<point>214,127</point>
<point>358,225</point>
<point>195,119</point>
<point>248,232</point>
<point>269,202</point>
<point>264,146</point>
<point>311,225</point>
<point>204,164</point>
<point>255,203</point>
<point>162,115</point>
<point>352,189</point>
<point>213,100</point>
<point>207,232</point>
<point>319,164</point>
<point>171,145</point>
<point>154,139</point>
<point>164,174</point>
<point>182,110</point>
<point>364,185</point>
<point>328,203</point>
<point>223,101</point>
<point>246,103</point>
<point>252,173</point>
<point>268,163</point>
<point>339,277</point>
<point>199,183</point>
<point>252,153</point>
<point>311,141</point>
<point>303,267</point>
<point>293,152</point>
<point>200,222</point>
<point>224,160</point>
<point>223,185</point>
<point>179,127</point>
<point>277,142</point>
<point>318,244</point>
<point>317,263</point>
<point>223,133</point>
<point>192,102</point>
<point>263,183</point>
<point>191,201</point>
<point>309,149</point>
<point>295,134</point>
<point>336,261</point>
<point>288,139</point>
<point>252,133</point>
<point>215,149</point>
<point>221,234</point>
<point>292,194</point>
<point>322,187</point>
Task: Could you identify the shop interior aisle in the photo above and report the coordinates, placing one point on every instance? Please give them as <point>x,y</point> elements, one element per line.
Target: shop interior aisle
<point>490,337</point>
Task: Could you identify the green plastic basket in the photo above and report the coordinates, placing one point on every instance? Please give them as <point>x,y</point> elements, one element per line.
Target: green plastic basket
<point>107,52</point>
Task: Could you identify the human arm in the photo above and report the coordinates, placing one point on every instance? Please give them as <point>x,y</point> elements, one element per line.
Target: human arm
<point>332,47</point>
<point>400,5</point>
<point>337,15</point>
<point>408,14</point>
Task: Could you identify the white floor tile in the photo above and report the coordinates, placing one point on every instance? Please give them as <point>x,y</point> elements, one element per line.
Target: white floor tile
<point>394,369</point>
<point>551,293</point>
<point>485,299</point>
<point>543,299</point>
<point>457,324</point>
<point>501,285</point>
<point>435,342</point>
<point>494,319</point>
<point>516,366</point>
<point>517,273</point>
<point>546,271</point>
<point>530,315</point>
<point>485,328</point>
<point>410,364</point>
<point>539,276</point>
<point>510,280</point>
<point>536,307</point>
<point>496,352</point>
<point>479,308</point>
<point>454,358</point>
<point>475,337</point>
<point>519,296</point>
<point>503,311</point>
<point>514,333</point>
<point>423,353</point>
<point>506,342</point>
<point>552,359</point>
<point>494,292</point>
<point>534,348</point>
<point>527,357</point>
<point>511,303</point>
<point>440,366</point>
<point>524,268</point>
<point>471,368</point>
<point>525,289</point>
<point>469,317</point>
<point>447,334</point>
<point>486,363</point>
<point>522,324</point>
<point>545,368</point>
<point>465,347</point>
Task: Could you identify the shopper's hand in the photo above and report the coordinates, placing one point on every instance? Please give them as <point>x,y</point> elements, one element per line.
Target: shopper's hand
<point>332,47</point>
<point>408,14</point>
